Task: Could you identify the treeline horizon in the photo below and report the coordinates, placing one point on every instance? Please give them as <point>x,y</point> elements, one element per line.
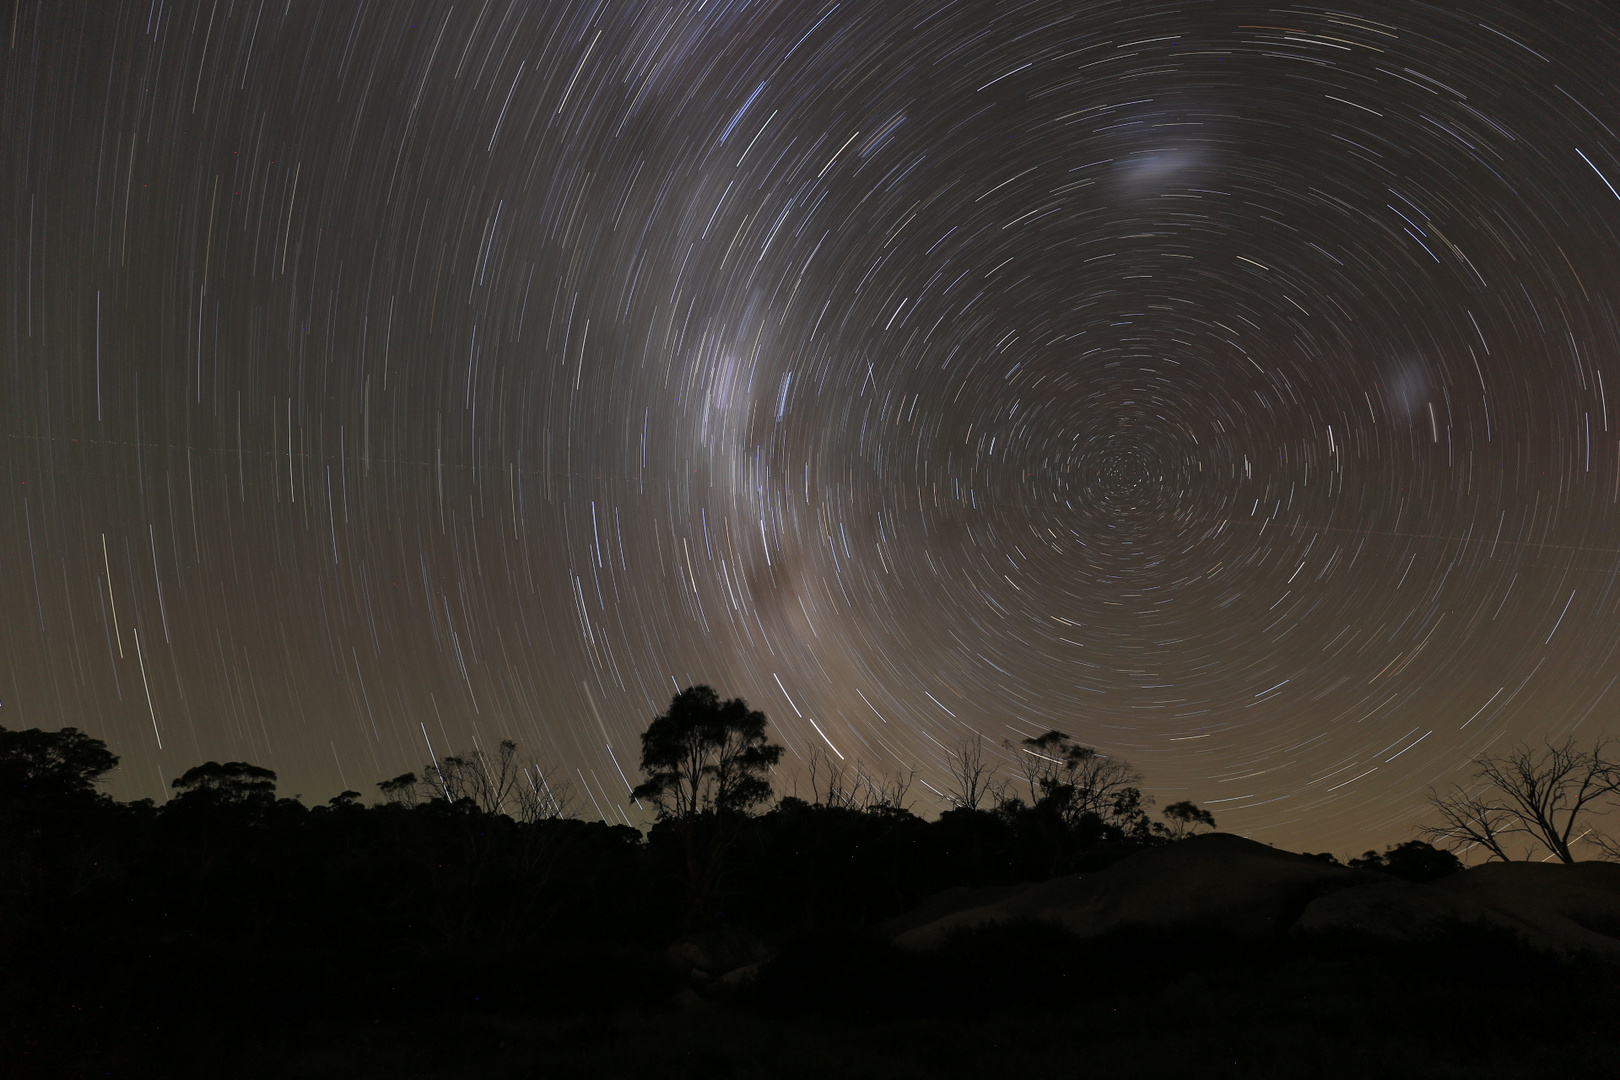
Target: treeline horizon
<point>471,891</point>
<point>708,771</point>
<point>490,847</point>
<point>1056,776</point>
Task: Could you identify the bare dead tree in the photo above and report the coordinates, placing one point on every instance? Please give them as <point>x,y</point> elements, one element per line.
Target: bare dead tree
<point>973,781</point>
<point>1608,845</point>
<point>1038,769</point>
<point>1528,799</point>
<point>833,782</point>
<point>541,795</point>
<point>886,790</point>
<point>486,781</point>
<point>825,776</point>
<point>501,783</point>
<point>1471,819</point>
<point>855,786</point>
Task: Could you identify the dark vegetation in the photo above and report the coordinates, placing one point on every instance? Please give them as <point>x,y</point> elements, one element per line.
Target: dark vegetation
<point>467,924</point>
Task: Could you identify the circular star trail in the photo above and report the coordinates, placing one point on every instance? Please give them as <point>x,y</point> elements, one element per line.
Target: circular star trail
<point>1224,385</point>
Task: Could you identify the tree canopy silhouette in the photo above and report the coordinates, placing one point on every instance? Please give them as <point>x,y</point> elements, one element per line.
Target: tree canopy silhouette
<point>48,780</point>
<point>52,763</point>
<point>1184,818</point>
<point>233,790</point>
<point>1078,783</point>
<point>705,755</point>
<point>705,762</point>
<point>1415,860</point>
<point>232,782</point>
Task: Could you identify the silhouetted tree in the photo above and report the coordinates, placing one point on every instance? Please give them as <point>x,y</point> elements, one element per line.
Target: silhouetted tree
<point>43,767</point>
<point>1077,781</point>
<point>215,809</point>
<point>1473,819</point>
<point>973,781</point>
<point>541,795</point>
<point>497,784</point>
<point>1127,812</point>
<point>67,760</point>
<point>705,762</point>
<point>484,781</point>
<point>234,783</point>
<point>49,806</point>
<point>400,791</point>
<point>854,786</point>
<point>1544,796</point>
<point>705,755</point>
<point>1185,817</point>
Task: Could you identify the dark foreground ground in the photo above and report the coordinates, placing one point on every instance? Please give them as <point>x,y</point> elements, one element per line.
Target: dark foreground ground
<point>1020,1001</point>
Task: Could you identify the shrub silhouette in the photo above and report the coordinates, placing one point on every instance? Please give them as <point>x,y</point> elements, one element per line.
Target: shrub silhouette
<point>1415,860</point>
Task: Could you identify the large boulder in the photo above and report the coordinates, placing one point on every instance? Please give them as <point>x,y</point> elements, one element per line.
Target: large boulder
<point>1225,884</point>
<point>1574,906</point>
<point>1556,908</point>
<point>950,902</point>
<point>1400,911</point>
<point>1217,882</point>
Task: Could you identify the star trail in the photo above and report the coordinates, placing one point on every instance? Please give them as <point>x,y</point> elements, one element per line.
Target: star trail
<point>1224,385</point>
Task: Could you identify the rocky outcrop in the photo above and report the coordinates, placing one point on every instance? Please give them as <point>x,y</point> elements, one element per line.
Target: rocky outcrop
<point>950,902</point>
<point>1557,908</point>
<point>1220,883</point>
<point>1577,906</point>
<point>1398,910</point>
<point>1217,882</point>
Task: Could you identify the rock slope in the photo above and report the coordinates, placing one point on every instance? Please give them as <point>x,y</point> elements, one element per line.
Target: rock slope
<point>1223,883</point>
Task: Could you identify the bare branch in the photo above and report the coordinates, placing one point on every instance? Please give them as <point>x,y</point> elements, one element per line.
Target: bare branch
<point>1547,794</point>
<point>851,785</point>
<point>503,784</point>
<point>972,780</point>
<point>542,796</point>
<point>1469,820</point>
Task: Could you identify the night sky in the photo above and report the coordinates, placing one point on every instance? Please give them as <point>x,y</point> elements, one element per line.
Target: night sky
<point>1224,385</point>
